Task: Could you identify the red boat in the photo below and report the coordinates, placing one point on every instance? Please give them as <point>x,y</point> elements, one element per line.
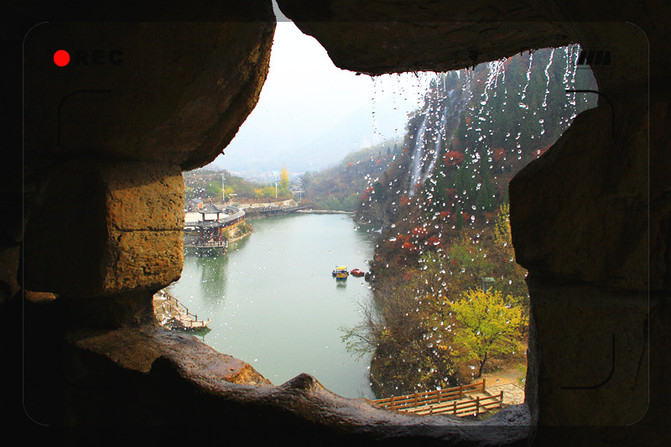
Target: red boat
<point>357,272</point>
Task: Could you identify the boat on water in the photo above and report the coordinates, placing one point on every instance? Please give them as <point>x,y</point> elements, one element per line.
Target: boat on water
<point>340,273</point>
<point>357,272</point>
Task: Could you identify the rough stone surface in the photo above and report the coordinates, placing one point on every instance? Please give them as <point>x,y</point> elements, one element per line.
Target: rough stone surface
<point>138,348</point>
<point>602,361</point>
<point>189,87</point>
<point>124,234</point>
<point>9,267</point>
<point>581,221</point>
<point>403,32</point>
<point>151,380</point>
<point>217,385</point>
<point>585,206</point>
<point>382,37</point>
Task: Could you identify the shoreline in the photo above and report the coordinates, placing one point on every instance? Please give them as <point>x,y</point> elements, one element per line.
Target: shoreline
<point>239,237</point>
<point>311,211</point>
<point>242,232</point>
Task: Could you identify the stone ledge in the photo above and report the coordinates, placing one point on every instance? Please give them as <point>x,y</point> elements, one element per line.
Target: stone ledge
<point>125,233</point>
<point>223,384</point>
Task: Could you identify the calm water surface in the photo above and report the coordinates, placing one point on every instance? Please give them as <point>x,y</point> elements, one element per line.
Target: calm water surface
<point>272,301</point>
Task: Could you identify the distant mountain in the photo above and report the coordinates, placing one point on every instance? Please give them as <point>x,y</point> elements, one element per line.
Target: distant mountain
<point>351,134</point>
<point>341,186</point>
<point>266,148</point>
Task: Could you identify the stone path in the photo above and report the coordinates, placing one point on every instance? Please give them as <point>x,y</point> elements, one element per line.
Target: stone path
<point>508,382</point>
<point>512,394</point>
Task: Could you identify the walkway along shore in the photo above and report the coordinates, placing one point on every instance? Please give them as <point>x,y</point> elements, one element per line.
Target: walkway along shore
<point>171,313</point>
<point>312,211</point>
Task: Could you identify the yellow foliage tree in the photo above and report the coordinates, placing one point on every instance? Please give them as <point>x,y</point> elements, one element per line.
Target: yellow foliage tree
<point>504,251</point>
<point>502,233</point>
<point>283,189</point>
<point>488,326</point>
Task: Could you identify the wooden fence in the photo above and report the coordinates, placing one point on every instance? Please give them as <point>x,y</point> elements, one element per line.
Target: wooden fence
<point>427,398</point>
<point>447,401</point>
<point>462,408</point>
<point>273,210</point>
<point>177,315</point>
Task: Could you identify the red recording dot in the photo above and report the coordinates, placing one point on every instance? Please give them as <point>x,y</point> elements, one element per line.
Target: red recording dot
<point>61,58</point>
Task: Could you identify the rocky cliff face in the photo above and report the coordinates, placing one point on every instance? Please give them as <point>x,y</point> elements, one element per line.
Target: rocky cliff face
<point>475,130</point>
<point>183,115</point>
<point>602,255</point>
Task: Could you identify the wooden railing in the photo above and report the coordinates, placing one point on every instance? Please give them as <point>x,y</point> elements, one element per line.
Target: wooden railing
<point>189,320</point>
<point>447,401</point>
<point>226,220</point>
<point>211,244</point>
<point>427,398</point>
<point>462,408</point>
<point>274,209</point>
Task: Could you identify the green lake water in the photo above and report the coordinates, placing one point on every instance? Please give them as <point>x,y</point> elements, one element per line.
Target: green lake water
<point>273,303</point>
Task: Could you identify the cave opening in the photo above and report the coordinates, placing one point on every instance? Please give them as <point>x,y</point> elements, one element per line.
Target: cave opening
<point>471,131</point>
<point>123,348</point>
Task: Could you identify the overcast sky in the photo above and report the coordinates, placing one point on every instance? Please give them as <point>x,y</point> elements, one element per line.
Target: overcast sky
<point>305,96</point>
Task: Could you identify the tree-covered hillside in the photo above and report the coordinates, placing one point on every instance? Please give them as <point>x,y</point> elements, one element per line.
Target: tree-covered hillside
<point>476,129</point>
<point>341,187</point>
<point>204,184</point>
<point>445,248</point>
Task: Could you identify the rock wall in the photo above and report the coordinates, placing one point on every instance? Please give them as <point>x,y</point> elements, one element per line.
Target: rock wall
<point>583,215</point>
<point>584,234</point>
<point>391,37</point>
<point>125,233</point>
<point>107,136</point>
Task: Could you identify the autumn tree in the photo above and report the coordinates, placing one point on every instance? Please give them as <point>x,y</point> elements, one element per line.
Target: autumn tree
<point>487,325</point>
<point>503,254</point>
<point>283,187</point>
<point>406,358</point>
<point>213,189</point>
